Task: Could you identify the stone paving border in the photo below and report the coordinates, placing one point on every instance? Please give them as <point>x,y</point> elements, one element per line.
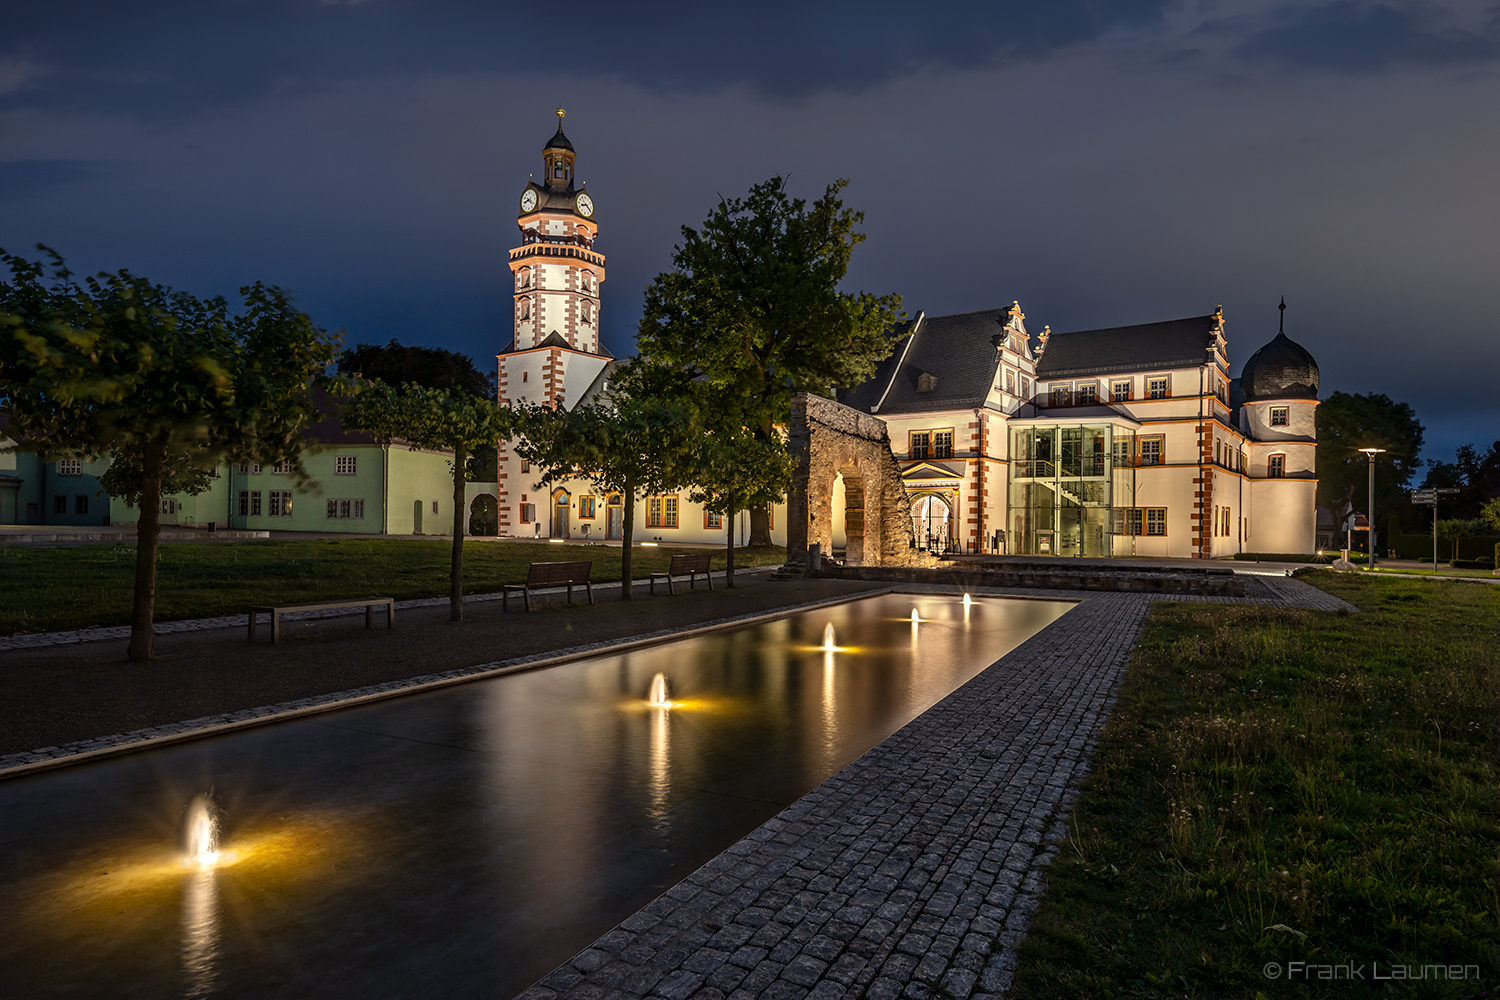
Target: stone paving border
<point>46,758</point>
<point>43,640</point>
<point>913,872</point>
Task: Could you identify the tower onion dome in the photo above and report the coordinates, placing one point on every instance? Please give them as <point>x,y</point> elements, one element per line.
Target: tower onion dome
<point>1281,370</point>
<point>559,141</point>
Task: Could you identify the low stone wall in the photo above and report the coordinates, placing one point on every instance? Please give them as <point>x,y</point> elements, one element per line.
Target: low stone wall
<point>1053,575</point>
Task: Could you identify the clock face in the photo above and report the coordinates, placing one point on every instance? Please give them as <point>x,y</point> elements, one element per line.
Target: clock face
<point>528,200</point>
<point>585,205</point>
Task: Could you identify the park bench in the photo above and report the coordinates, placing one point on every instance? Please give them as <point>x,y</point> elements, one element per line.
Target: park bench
<point>689,566</point>
<point>277,610</point>
<point>551,574</point>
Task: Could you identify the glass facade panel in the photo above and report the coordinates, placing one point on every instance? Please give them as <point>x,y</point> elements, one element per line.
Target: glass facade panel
<point>1062,490</point>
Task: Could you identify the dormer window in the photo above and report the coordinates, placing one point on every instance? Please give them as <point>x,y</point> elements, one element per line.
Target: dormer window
<point>926,382</point>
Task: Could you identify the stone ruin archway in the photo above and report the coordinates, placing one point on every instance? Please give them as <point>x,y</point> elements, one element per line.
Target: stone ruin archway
<point>829,440</point>
<point>484,515</point>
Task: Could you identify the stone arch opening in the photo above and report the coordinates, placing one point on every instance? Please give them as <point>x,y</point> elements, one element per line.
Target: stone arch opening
<point>484,516</point>
<point>931,522</point>
<point>562,503</point>
<point>853,512</point>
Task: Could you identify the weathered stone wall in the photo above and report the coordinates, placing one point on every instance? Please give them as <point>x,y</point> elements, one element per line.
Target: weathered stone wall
<point>828,439</point>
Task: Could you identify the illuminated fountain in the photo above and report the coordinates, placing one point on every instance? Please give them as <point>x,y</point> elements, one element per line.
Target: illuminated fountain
<point>202,832</point>
<point>967,601</point>
<point>915,617</point>
<point>828,644</point>
<point>660,693</point>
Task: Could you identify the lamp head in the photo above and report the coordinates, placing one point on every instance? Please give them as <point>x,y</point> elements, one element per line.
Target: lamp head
<point>1372,452</point>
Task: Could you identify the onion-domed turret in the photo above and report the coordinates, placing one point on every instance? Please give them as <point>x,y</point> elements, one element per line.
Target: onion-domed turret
<point>1283,369</point>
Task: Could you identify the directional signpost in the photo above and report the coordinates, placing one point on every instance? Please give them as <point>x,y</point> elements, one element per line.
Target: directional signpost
<point>1431,497</point>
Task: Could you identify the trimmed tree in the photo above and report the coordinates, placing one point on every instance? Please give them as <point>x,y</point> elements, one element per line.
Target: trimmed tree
<point>438,419</point>
<point>636,446</point>
<point>733,471</point>
<point>752,312</point>
<point>167,384</point>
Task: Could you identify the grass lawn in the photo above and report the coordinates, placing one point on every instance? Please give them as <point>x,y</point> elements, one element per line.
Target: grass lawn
<point>48,590</point>
<point>1282,786</point>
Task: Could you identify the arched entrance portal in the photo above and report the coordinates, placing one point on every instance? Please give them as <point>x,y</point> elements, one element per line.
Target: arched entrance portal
<point>931,522</point>
<point>484,516</point>
<point>614,513</point>
<point>561,502</point>
<point>853,514</point>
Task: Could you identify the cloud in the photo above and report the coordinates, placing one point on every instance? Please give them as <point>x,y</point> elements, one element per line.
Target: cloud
<point>1352,37</point>
<point>179,54</point>
<point>21,179</point>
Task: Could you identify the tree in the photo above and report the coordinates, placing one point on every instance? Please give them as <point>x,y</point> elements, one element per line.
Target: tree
<point>734,470</point>
<point>1475,476</point>
<point>635,446</point>
<point>397,364</point>
<point>1348,422</point>
<point>435,368</point>
<point>169,384</point>
<point>1456,530</point>
<point>433,418</point>
<point>752,311</point>
<point>1491,514</point>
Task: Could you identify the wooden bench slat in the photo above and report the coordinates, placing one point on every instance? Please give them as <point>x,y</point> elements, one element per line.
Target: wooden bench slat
<point>277,610</point>
<point>689,565</point>
<point>551,574</point>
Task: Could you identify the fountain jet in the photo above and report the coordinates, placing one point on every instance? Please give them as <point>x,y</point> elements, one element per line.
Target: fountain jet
<point>202,831</point>
<point>828,644</point>
<point>660,693</point>
<point>914,616</point>
<point>968,600</point>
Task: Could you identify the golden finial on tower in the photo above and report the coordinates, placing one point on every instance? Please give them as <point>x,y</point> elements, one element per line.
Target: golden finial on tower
<point>560,113</point>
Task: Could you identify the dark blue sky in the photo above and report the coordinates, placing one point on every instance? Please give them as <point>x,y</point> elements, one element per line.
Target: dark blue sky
<point>1102,162</point>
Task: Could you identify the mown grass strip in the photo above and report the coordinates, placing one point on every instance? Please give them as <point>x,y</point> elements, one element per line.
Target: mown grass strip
<point>1281,786</point>
<point>50,590</point>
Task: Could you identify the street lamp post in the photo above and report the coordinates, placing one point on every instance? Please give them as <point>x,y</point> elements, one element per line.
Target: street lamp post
<point>1372,452</point>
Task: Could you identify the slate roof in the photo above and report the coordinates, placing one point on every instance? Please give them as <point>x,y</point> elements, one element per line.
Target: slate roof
<point>1178,343</point>
<point>1283,369</point>
<point>958,351</point>
<point>559,141</point>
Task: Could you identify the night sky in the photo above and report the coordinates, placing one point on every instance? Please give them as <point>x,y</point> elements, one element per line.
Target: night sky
<point>1103,162</point>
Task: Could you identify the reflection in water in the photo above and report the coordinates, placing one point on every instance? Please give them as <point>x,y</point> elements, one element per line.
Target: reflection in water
<point>661,764</point>
<point>200,930</point>
<point>200,900</point>
<point>830,713</point>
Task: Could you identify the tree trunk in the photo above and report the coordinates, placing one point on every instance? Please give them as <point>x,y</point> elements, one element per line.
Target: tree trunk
<point>760,526</point>
<point>147,534</point>
<point>628,516</point>
<point>456,575</point>
<point>729,559</point>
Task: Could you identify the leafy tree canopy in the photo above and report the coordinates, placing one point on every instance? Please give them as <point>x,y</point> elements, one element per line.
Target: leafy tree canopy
<point>634,447</point>
<point>443,419</point>
<point>1475,475</point>
<point>397,364</point>
<point>752,311</point>
<point>168,384</point>
<point>1350,421</point>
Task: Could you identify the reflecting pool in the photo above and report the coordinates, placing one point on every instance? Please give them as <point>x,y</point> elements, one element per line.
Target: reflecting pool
<point>466,841</point>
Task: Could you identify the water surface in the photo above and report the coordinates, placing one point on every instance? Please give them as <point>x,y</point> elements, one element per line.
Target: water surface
<point>464,842</point>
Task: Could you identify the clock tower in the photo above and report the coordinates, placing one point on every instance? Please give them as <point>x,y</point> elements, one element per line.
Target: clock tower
<point>556,271</point>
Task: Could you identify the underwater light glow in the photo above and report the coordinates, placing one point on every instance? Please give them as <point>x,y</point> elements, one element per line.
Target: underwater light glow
<point>660,692</point>
<point>202,832</point>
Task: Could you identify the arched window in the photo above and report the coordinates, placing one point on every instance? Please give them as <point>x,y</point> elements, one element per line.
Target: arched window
<point>557,168</point>
<point>525,308</point>
<point>585,313</point>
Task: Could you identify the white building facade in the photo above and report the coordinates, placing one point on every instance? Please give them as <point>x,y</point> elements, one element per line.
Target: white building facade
<point>1128,441</point>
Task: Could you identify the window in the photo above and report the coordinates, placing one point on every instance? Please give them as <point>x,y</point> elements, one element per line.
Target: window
<point>1157,388</point>
<point>1088,394</point>
<point>1126,521</point>
<point>1151,450</point>
<point>434,506</point>
<point>1120,392</point>
<point>255,503</point>
<point>345,465</point>
<point>1061,395</point>
<point>1276,467</point>
<point>919,445</point>
<point>942,444</point>
<point>345,509</point>
<point>1226,522</point>
<point>525,465</point>
<point>1010,382</point>
<point>242,468</point>
<point>585,312</point>
<point>80,504</point>
<point>526,376</point>
<point>1278,416</point>
<point>281,503</point>
<point>255,469</point>
<point>528,513</point>
<point>661,512</point>
<point>244,503</point>
<point>1025,386</point>
<point>713,521</point>
<point>280,468</point>
<point>1120,452</point>
<point>59,505</point>
<point>586,507</point>
<point>1156,520</point>
<point>70,467</point>
<point>926,382</point>
<point>525,308</point>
